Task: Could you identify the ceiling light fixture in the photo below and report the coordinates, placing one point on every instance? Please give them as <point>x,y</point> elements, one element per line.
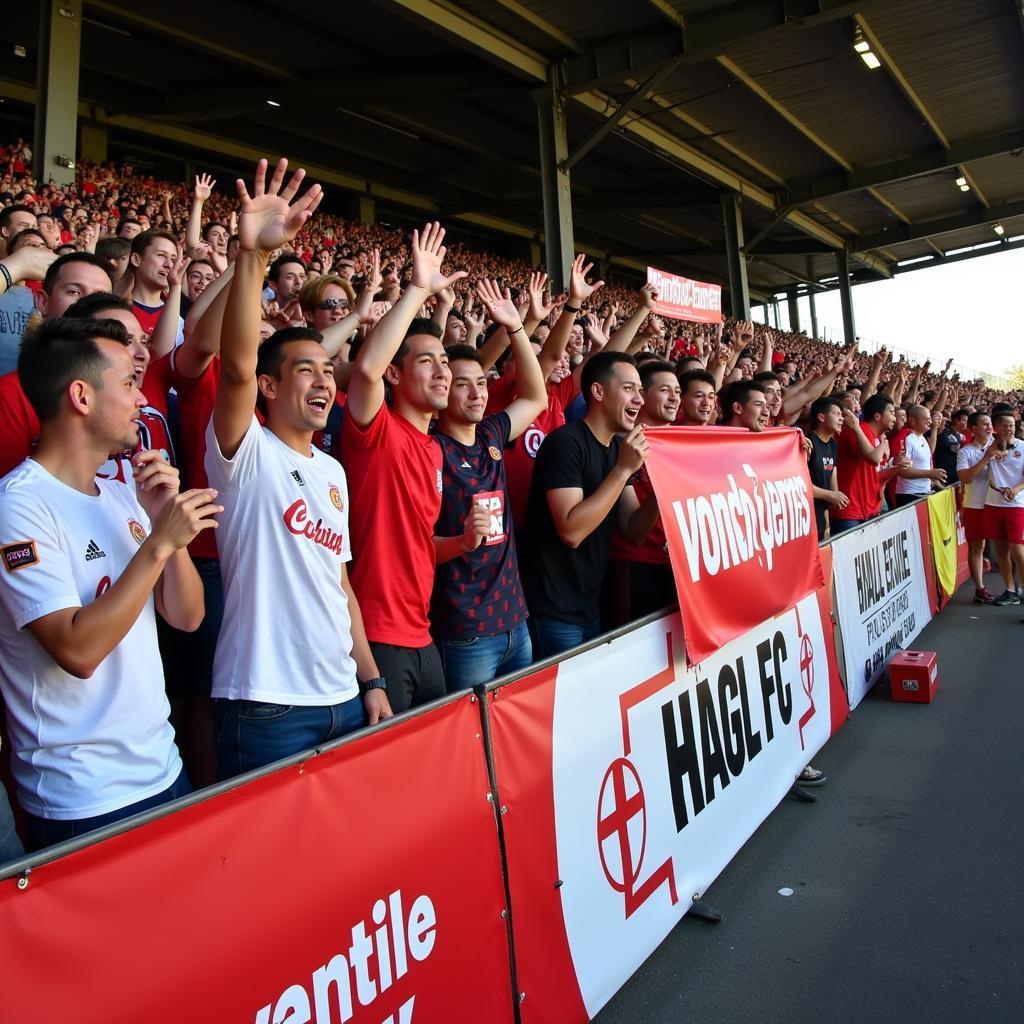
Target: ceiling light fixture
<point>961,181</point>
<point>998,229</point>
<point>863,47</point>
<point>273,103</point>
<point>965,187</point>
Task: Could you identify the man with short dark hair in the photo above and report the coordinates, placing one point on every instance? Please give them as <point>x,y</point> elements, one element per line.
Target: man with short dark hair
<point>14,219</point>
<point>696,398</point>
<point>285,278</point>
<point>826,426</point>
<point>745,405</point>
<point>153,258</point>
<point>1004,504</point>
<point>972,464</point>
<point>582,469</point>
<point>87,563</point>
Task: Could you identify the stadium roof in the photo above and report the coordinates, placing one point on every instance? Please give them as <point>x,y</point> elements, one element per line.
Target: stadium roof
<point>428,104</point>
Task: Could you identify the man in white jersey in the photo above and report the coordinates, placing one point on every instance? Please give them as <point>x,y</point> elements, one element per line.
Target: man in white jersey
<point>1004,503</point>
<point>972,462</point>
<point>85,561</point>
<point>292,656</point>
<point>915,481</point>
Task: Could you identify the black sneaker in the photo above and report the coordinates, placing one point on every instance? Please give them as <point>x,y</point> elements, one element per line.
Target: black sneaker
<point>1005,598</point>
<point>811,777</point>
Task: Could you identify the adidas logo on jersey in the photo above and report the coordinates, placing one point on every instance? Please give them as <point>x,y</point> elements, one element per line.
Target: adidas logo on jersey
<point>92,552</point>
<point>297,476</point>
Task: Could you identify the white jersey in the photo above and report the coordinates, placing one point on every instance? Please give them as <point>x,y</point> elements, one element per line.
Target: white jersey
<point>976,492</point>
<point>82,747</point>
<point>916,447</point>
<point>1003,473</point>
<point>283,536</point>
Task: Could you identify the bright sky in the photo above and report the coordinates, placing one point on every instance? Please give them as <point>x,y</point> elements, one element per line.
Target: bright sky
<point>969,310</point>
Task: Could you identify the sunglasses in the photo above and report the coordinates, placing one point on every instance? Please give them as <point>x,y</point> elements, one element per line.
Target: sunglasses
<point>333,304</point>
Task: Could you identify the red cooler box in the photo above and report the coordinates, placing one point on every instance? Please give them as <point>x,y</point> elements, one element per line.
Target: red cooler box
<point>914,676</point>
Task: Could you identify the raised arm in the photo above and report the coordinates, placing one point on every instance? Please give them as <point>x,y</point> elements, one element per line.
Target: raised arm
<point>269,218</point>
<point>366,385</point>
<point>194,230</point>
<point>871,386</point>
<point>166,331</point>
<point>621,340</point>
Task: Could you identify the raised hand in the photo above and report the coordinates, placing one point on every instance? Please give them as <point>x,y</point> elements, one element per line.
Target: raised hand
<point>273,216</point>
<point>648,296</point>
<point>499,305</point>
<point>579,289</point>
<point>634,450</point>
<point>176,274</point>
<point>539,310</point>
<point>428,252</point>
<point>204,187</point>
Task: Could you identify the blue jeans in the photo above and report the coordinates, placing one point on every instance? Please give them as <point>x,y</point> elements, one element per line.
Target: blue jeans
<point>552,636</point>
<point>47,831</point>
<point>250,733</point>
<point>483,658</point>
<point>10,844</point>
<point>838,526</point>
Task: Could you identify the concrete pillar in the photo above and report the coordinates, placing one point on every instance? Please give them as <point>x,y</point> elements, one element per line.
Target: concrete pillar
<point>555,185</point>
<point>846,297</point>
<point>794,310</point>
<point>60,41</point>
<point>535,254</point>
<point>739,293</point>
<point>814,314</point>
<point>367,210</point>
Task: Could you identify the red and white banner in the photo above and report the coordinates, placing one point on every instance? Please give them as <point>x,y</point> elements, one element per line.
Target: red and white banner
<point>364,885</point>
<point>610,829</point>
<point>738,513</point>
<point>679,298</point>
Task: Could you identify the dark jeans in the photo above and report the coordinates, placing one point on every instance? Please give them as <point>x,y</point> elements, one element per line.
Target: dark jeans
<point>479,659</point>
<point>415,675</point>
<point>553,636</point>
<point>199,647</point>
<point>637,589</point>
<point>44,832</point>
<point>906,499</point>
<point>10,844</point>
<point>842,525</point>
<point>250,733</point>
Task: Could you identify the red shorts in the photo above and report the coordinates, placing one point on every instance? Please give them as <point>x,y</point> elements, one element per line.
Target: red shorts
<point>974,526</point>
<point>1004,524</point>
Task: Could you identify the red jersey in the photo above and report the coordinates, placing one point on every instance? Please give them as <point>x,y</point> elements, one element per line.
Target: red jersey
<point>394,480</point>
<point>858,478</point>
<point>654,549</point>
<point>196,400</point>
<point>520,456</point>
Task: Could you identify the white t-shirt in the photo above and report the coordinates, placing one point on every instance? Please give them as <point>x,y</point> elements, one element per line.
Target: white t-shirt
<point>283,536</point>
<point>920,458</point>
<point>1003,473</point>
<point>976,491</point>
<point>82,747</point>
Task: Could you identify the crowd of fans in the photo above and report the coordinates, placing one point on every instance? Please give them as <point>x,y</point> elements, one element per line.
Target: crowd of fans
<point>306,473</point>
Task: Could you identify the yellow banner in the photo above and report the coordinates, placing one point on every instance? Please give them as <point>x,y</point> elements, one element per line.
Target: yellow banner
<point>942,520</point>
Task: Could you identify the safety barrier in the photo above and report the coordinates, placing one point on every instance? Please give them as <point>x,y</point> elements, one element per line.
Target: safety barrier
<point>511,854</point>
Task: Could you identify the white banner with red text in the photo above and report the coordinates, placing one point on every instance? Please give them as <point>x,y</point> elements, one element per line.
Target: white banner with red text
<point>884,593</point>
<point>612,828</point>
<point>737,508</point>
<point>680,298</point>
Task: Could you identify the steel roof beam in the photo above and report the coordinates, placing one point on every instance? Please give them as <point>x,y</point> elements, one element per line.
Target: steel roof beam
<point>837,183</point>
<point>941,226</point>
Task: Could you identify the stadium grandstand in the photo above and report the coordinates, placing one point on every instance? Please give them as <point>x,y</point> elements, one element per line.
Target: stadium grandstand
<point>428,491</point>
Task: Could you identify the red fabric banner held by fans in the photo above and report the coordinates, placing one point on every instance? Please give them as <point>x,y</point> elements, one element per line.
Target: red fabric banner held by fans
<point>738,512</point>
<point>679,298</point>
<point>359,887</point>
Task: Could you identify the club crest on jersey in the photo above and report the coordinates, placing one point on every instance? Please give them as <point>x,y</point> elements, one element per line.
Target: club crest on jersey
<point>20,554</point>
<point>336,497</point>
<point>137,530</point>
<point>494,453</point>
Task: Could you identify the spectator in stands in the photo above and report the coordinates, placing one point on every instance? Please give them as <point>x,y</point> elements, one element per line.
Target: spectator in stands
<point>951,438</point>
<point>86,563</point>
<point>915,480</point>
<point>14,219</point>
<point>18,302</point>
<point>581,472</point>
<point>115,253</point>
<point>395,468</point>
<point>696,399</point>
<point>129,228</point>
<point>826,426</point>
<point>282,685</point>
<point>285,279</point>
<point>153,257</point>
<point>745,405</point>
<point>1004,504</point>
<point>478,611</point>
<point>972,464</point>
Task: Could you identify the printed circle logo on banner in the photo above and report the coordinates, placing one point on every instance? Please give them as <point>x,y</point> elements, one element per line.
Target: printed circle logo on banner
<point>620,802</point>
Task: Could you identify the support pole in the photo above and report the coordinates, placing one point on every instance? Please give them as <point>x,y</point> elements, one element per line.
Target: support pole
<point>60,42</point>
<point>739,294</point>
<point>846,297</point>
<point>367,210</point>
<point>811,303</point>
<point>554,150</point>
<point>793,309</point>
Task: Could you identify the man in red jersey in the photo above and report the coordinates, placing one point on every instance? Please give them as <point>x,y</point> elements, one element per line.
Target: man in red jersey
<point>153,258</point>
<point>394,468</point>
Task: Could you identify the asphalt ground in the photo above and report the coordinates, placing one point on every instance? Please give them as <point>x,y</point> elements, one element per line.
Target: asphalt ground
<point>906,874</point>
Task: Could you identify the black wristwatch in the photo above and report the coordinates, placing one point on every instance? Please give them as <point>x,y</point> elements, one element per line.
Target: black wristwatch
<point>373,684</point>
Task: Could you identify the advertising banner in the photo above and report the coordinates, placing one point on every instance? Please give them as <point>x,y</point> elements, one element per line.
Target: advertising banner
<point>679,298</point>
<point>364,885</point>
<point>611,829</point>
<point>882,594</point>
<point>738,513</point>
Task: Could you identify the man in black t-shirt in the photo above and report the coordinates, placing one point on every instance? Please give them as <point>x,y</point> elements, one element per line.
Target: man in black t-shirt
<point>478,612</point>
<point>826,424</point>
<point>580,474</point>
<point>948,444</point>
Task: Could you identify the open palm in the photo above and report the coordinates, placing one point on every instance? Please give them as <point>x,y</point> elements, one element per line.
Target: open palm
<point>273,216</point>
